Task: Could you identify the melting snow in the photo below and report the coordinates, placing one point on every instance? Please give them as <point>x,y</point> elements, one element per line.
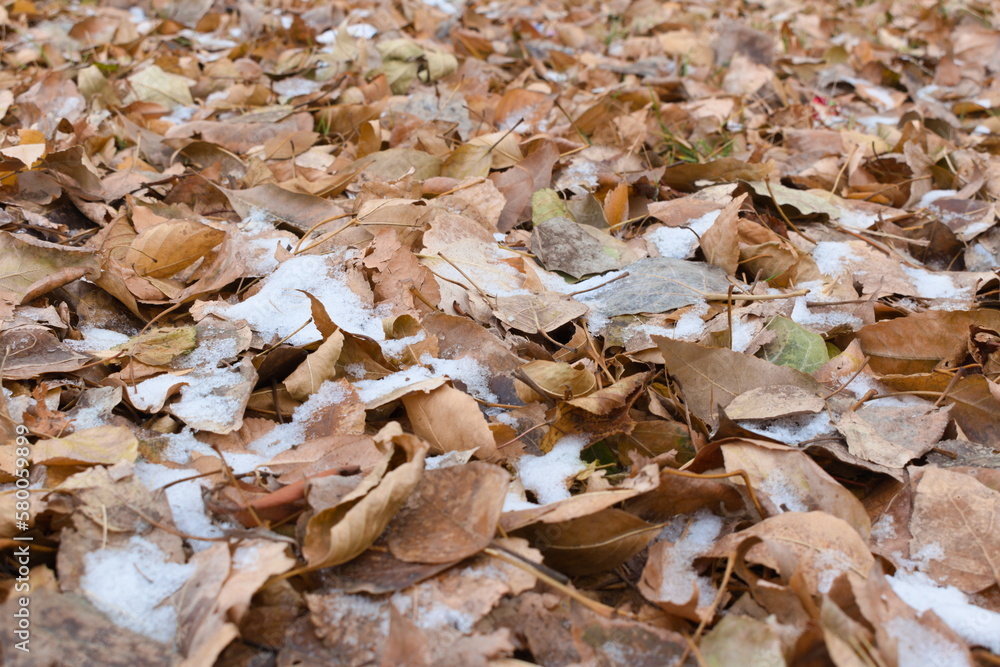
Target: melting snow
<point>690,325</point>
<point>884,529</point>
<point>857,219</point>
<point>362,30</point>
<point>823,320</point>
<point>682,242</point>
<point>790,430</point>
<point>919,645</point>
<point>701,532</point>
<point>130,584</point>
<point>396,348</point>
<point>934,195</point>
<point>279,310</point>
<point>185,499</point>
<point>148,395</point>
<point>547,476</point>
<point>830,563</point>
<point>372,390</point>
<point>782,491</point>
<point>199,402</point>
<point>935,285</point>
<point>974,624</point>
<point>743,333</point>
<point>285,436</point>
<point>296,86</point>
<point>466,370</point>
<point>830,255</point>
<point>96,340</point>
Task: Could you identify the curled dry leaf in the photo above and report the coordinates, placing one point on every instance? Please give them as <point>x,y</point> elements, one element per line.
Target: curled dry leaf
<point>335,535</point>
<point>30,267</point>
<point>170,247</point>
<point>597,542</point>
<point>721,243</point>
<point>786,479</point>
<point>217,596</point>
<point>821,548</point>
<point>599,414</point>
<point>318,367</point>
<point>557,378</point>
<point>449,420</point>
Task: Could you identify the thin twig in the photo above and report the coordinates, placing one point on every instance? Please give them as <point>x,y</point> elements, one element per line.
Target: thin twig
<point>849,381</point>
<point>533,569</point>
<point>723,475</point>
<point>591,289</point>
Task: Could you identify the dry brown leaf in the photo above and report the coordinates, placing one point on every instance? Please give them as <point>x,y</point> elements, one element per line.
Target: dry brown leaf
<point>920,342</point>
<point>973,406</point>
<point>721,242</point>
<point>583,504</point>
<point>157,347</point>
<point>892,436</point>
<point>563,245</point>
<point>68,628</point>
<point>318,367</point>
<point>558,379</point>
<point>468,161</point>
<point>597,542</point>
<point>724,170</point>
<point>785,479</point>
<point>31,350</point>
<point>218,594</point>
<point>32,268</point>
<point>452,514</point>
<point>450,420</point>
<point>955,525</point>
<point>599,414</point>
<point>822,547</point>
<point>532,313</point>
<point>677,495</point>
<point>170,247</point>
<point>737,639</point>
<point>301,211</point>
<point>774,402</point>
<point>616,205</point>
<point>713,377</point>
<point>518,183</point>
<point>337,534</point>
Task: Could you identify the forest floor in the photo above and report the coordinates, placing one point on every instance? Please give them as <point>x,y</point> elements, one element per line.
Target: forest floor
<point>500,333</point>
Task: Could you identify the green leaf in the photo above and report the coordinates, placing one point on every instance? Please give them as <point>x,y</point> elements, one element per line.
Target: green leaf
<point>794,346</point>
<point>546,204</point>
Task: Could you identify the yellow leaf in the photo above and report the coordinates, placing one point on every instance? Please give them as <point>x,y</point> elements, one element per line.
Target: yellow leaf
<point>101,445</point>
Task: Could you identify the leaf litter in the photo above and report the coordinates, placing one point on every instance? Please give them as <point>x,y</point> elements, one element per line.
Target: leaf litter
<point>442,333</point>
